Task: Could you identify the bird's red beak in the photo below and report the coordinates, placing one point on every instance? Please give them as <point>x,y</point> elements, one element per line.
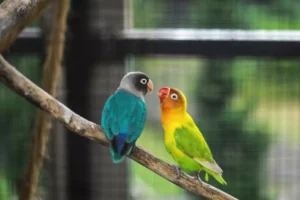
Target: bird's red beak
<point>149,86</point>
<point>163,93</point>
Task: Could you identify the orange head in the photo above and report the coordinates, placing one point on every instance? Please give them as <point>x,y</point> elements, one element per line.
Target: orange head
<point>172,99</point>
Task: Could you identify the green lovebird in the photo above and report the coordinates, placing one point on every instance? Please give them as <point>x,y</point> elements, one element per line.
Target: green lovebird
<point>183,139</point>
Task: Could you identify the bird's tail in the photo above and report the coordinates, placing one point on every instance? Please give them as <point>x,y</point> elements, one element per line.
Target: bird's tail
<point>218,177</point>
<point>120,148</point>
<point>116,156</point>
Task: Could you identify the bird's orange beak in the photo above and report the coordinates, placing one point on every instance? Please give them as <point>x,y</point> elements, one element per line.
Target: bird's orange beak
<point>163,93</point>
<point>149,86</point>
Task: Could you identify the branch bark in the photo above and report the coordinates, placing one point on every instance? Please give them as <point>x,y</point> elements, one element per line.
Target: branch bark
<point>52,70</point>
<point>15,15</point>
<point>25,88</point>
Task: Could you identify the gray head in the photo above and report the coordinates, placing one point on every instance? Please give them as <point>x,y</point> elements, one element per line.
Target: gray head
<point>137,83</point>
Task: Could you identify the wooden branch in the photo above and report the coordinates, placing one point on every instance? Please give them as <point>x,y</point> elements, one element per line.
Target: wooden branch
<point>15,15</point>
<point>25,88</point>
<point>43,123</point>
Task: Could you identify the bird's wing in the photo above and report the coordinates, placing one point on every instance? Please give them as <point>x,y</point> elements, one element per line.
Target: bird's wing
<point>117,113</point>
<point>137,121</point>
<point>132,118</point>
<point>107,119</point>
<point>191,142</point>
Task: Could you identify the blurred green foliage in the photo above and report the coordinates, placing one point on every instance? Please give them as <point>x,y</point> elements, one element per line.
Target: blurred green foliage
<point>276,78</point>
<point>228,14</point>
<point>16,122</point>
<point>232,90</point>
<point>236,148</point>
<point>4,187</point>
<point>232,96</point>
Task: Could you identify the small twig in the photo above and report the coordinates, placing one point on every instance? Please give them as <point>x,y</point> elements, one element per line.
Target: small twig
<point>25,88</point>
<point>15,15</point>
<point>52,70</point>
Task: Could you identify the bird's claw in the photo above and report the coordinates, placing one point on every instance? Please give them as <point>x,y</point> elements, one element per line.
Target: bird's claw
<point>178,170</point>
<point>131,150</point>
<point>197,177</point>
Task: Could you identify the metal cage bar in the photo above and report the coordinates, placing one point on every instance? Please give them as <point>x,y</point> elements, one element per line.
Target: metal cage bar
<point>205,42</point>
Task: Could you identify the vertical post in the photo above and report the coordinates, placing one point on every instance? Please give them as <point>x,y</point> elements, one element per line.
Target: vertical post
<point>78,68</point>
<point>71,152</point>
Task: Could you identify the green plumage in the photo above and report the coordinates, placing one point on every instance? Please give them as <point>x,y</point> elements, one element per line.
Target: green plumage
<point>190,141</point>
<point>192,144</point>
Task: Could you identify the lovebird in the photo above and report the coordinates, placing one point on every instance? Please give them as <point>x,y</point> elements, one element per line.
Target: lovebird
<point>183,139</point>
<point>124,114</point>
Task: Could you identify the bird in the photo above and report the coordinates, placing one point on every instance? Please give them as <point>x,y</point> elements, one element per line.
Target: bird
<point>183,139</point>
<point>124,114</point>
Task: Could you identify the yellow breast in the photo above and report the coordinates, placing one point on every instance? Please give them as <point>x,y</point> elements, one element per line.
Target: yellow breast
<point>171,122</point>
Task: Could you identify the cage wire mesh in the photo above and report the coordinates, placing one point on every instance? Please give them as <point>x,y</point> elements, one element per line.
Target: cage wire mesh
<point>246,107</point>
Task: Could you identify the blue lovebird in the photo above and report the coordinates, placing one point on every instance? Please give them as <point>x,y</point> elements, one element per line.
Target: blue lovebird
<point>124,114</point>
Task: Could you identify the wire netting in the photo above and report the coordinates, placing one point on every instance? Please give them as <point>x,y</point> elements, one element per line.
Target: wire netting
<point>248,108</point>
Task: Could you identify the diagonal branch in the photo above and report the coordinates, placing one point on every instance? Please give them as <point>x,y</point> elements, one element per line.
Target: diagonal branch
<point>15,15</point>
<point>27,89</point>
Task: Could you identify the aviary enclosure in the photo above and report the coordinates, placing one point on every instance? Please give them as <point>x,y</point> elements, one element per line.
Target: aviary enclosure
<point>236,61</point>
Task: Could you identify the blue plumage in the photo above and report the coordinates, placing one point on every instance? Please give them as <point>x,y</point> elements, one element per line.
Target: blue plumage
<point>120,140</point>
<point>123,120</point>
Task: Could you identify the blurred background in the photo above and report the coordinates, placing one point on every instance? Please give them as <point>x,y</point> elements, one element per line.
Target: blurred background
<point>242,87</point>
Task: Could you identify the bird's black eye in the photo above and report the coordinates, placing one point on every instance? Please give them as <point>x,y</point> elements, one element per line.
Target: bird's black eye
<point>174,96</point>
<point>143,81</point>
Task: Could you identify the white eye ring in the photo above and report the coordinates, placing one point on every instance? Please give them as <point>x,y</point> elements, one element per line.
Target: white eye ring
<point>143,81</point>
<point>174,96</point>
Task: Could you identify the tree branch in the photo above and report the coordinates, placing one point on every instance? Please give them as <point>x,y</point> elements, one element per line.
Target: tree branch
<point>25,88</point>
<point>15,15</point>
<point>52,70</point>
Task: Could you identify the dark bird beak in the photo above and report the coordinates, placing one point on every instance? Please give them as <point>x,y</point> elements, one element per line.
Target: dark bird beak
<point>149,86</point>
<point>163,93</point>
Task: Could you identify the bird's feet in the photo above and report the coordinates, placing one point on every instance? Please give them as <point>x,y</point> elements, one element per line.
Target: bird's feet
<point>178,170</point>
<point>197,177</point>
<point>131,150</point>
